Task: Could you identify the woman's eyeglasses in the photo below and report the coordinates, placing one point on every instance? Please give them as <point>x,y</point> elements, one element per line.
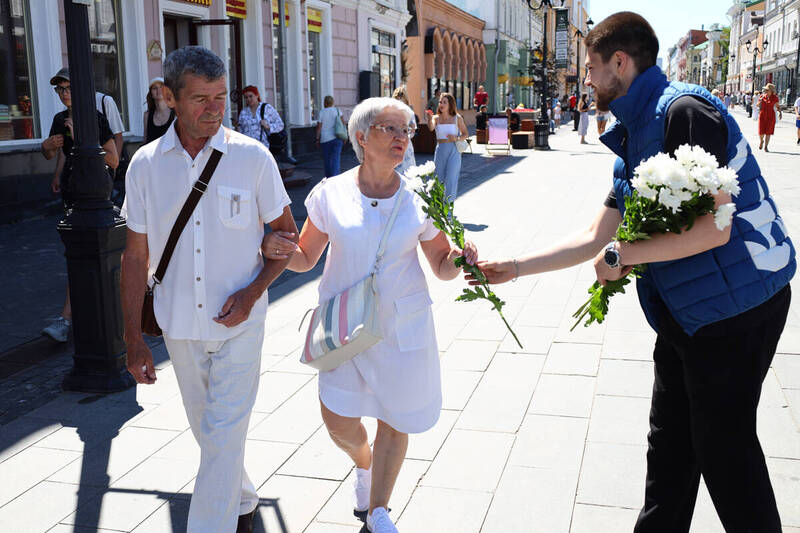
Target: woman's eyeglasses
<point>395,131</point>
<point>62,89</point>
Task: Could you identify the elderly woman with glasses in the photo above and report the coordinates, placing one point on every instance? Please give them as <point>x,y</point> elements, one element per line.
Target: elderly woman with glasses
<point>397,381</point>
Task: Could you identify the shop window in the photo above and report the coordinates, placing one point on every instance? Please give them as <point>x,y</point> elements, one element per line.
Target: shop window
<point>384,59</point>
<point>18,110</point>
<point>107,58</point>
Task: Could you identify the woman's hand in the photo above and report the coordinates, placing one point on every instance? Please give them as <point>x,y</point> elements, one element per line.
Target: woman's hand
<point>55,185</point>
<point>470,253</point>
<point>265,124</point>
<point>495,271</point>
<point>276,245</point>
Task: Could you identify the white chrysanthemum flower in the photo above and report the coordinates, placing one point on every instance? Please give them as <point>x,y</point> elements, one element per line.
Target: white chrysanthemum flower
<point>684,155</point>
<point>669,200</point>
<point>728,181</point>
<point>429,185</point>
<point>647,192</point>
<point>683,195</point>
<point>676,178</point>
<point>706,179</point>
<point>421,170</point>
<point>724,215</point>
<point>703,158</point>
<point>415,183</point>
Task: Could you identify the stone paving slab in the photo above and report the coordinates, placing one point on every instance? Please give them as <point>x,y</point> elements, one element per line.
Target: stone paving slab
<point>550,437</point>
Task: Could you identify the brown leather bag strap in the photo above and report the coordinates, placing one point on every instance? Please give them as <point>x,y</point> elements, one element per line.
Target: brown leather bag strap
<point>197,191</point>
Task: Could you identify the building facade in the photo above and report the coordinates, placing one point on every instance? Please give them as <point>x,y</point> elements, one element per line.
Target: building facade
<point>350,49</point>
<point>779,64</point>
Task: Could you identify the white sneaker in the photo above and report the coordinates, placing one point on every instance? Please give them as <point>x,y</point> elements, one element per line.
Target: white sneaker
<point>361,487</point>
<point>379,521</point>
<point>58,330</point>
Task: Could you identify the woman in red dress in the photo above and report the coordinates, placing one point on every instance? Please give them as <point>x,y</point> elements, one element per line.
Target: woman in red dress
<point>766,119</point>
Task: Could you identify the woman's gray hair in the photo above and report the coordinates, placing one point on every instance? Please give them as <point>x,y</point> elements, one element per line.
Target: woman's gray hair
<point>363,117</point>
<point>195,60</point>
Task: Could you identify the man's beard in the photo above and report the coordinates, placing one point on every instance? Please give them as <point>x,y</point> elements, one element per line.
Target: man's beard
<point>603,98</point>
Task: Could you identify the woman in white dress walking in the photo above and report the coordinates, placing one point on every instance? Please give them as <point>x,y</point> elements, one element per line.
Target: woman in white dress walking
<point>583,123</point>
<point>397,380</point>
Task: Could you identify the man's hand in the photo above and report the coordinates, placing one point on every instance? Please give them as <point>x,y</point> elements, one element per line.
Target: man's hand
<point>140,362</point>
<point>237,308</point>
<point>495,271</point>
<point>53,142</point>
<point>606,273</point>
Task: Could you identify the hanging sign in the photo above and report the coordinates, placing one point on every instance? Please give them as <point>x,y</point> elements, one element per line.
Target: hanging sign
<point>275,12</point>
<point>314,20</point>
<point>562,37</point>
<point>236,8</point>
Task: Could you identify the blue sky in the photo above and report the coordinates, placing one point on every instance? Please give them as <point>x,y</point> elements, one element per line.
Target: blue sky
<point>671,19</point>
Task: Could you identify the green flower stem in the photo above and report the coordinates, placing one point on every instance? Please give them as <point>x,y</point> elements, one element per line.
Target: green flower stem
<point>440,211</point>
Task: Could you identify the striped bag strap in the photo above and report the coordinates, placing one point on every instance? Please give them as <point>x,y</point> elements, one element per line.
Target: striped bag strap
<point>389,224</point>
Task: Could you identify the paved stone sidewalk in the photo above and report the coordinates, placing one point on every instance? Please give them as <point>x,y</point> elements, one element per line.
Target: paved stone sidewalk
<point>548,438</point>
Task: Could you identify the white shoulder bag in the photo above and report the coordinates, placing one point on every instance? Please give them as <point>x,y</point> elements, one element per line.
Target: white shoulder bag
<point>347,324</point>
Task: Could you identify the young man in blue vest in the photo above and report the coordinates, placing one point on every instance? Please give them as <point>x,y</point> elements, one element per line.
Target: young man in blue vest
<point>718,300</point>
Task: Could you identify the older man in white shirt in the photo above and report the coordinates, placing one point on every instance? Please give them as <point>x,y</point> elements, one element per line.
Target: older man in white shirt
<point>211,304</point>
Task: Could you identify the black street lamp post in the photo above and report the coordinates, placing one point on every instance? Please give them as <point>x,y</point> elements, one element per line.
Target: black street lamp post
<point>543,119</point>
<point>578,36</point>
<point>756,51</point>
<point>93,232</point>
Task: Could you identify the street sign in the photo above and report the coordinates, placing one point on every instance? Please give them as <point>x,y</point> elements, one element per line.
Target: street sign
<point>562,37</point>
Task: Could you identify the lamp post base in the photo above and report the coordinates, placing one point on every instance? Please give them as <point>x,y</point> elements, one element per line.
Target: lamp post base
<point>94,239</point>
<point>85,380</point>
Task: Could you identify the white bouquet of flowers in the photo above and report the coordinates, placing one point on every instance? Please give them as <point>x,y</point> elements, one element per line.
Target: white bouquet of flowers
<point>440,210</point>
<point>669,194</point>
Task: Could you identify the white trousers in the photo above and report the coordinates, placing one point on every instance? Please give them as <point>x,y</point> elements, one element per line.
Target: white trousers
<point>218,381</point>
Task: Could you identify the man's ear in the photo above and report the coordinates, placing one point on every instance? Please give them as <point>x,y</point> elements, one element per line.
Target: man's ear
<point>169,98</point>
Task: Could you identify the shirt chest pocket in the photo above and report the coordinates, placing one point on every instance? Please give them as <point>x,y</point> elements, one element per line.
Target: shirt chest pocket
<point>234,206</point>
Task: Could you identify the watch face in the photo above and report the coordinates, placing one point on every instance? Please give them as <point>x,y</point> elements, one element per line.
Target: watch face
<point>611,258</point>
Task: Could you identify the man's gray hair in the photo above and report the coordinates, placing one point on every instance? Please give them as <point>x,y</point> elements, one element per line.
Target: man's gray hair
<point>195,60</point>
<point>363,117</point>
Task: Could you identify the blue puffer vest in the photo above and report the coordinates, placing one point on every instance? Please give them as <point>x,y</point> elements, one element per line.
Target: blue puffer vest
<point>759,258</point>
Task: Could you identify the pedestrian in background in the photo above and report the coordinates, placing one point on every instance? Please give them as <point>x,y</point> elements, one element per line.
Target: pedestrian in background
<point>433,103</point>
<point>258,119</point>
<point>756,105</point>
<point>158,117</point>
<point>602,119</point>
<point>408,159</point>
<point>748,104</point>
<point>212,301</point>
<point>797,117</point>
<point>59,144</point>
<point>727,101</point>
<point>397,381</point>
<point>326,137</point>
<point>556,117</point>
<point>769,106</point>
<point>583,110</point>
<point>717,322</point>
<point>481,98</point>
<point>450,128</point>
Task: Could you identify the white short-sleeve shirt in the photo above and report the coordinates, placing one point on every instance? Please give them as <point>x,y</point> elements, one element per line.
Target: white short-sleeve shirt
<point>111,112</point>
<point>218,252</point>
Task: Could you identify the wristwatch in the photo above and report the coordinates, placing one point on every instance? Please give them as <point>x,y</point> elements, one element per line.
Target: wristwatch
<point>611,255</point>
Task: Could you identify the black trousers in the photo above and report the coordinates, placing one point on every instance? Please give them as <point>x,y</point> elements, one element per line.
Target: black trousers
<point>703,421</point>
